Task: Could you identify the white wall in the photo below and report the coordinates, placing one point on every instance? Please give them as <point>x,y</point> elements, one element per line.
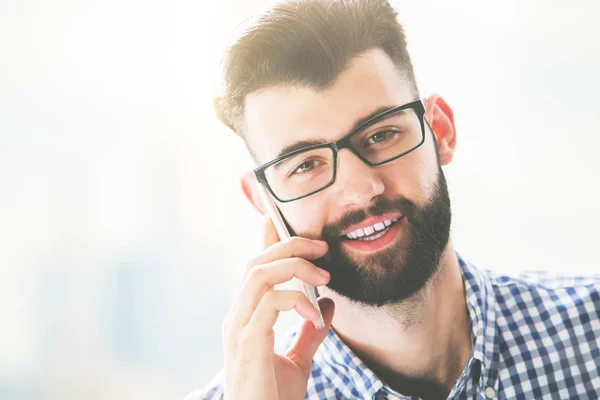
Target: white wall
<point>121,241</point>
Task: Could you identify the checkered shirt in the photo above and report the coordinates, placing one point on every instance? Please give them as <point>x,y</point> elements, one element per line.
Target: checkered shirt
<point>535,336</point>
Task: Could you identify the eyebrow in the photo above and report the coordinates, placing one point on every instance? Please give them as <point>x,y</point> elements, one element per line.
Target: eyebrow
<point>301,144</point>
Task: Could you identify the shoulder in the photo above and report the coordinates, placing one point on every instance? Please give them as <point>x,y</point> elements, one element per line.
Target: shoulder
<point>542,289</point>
<point>547,333</point>
<point>559,307</point>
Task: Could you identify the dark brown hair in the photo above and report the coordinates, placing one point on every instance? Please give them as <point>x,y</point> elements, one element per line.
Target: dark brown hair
<point>307,43</point>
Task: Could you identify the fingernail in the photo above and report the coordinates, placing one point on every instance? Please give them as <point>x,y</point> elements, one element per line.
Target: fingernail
<point>323,272</point>
<point>320,243</point>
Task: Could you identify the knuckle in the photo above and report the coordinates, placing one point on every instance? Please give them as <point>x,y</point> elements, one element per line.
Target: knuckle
<point>296,241</point>
<point>299,296</point>
<point>301,245</point>
<point>256,273</point>
<point>277,300</point>
<point>301,360</point>
<point>258,277</point>
<point>301,265</point>
<point>295,262</point>
<point>252,263</point>
<point>305,264</point>
<point>270,297</point>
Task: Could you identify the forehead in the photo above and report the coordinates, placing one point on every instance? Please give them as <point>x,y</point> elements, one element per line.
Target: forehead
<point>281,115</point>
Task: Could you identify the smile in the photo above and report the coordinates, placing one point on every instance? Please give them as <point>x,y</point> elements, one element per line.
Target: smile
<point>372,232</point>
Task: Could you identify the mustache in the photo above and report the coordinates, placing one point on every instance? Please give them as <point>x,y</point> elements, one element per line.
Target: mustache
<point>407,208</point>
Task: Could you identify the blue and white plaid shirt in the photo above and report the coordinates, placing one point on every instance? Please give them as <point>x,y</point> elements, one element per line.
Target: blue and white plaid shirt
<point>534,337</point>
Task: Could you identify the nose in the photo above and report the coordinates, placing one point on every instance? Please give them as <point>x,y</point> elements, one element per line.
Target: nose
<point>357,184</point>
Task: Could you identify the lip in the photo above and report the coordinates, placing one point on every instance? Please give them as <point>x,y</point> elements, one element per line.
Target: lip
<point>377,244</point>
<point>372,221</point>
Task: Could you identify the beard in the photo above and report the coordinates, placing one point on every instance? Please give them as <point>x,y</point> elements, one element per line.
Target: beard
<point>400,271</point>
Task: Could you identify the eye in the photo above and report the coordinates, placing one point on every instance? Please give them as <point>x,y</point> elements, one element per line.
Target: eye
<point>305,167</point>
<point>381,137</point>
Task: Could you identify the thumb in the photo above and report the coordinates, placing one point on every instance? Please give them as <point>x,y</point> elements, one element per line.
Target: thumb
<point>310,338</point>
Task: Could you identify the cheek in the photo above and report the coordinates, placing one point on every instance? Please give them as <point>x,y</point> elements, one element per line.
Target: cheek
<point>306,218</point>
<point>427,171</point>
<point>412,176</point>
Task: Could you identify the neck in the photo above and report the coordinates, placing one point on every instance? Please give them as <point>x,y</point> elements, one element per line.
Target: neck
<point>420,346</point>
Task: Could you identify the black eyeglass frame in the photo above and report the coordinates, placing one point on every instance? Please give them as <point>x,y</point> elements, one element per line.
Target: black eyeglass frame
<point>343,143</point>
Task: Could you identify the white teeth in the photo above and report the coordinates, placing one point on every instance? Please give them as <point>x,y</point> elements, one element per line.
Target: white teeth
<point>369,230</point>
<point>380,234</point>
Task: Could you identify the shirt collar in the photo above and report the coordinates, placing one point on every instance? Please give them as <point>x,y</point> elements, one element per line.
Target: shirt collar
<point>481,303</point>
<point>349,374</point>
<point>342,361</point>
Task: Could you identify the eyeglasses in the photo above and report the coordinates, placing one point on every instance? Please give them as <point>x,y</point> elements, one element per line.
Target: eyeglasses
<point>383,138</point>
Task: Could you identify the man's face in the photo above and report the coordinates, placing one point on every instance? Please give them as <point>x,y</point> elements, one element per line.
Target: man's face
<point>373,269</point>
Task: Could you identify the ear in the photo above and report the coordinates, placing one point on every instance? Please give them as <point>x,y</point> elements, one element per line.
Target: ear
<point>441,119</point>
<point>248,182</point>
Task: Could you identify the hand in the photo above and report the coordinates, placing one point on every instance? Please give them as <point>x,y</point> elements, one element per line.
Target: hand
<point>252,368</point>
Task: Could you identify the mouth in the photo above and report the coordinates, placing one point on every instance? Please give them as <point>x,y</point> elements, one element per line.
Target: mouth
<point>373,237</point>
<point>372,232</point>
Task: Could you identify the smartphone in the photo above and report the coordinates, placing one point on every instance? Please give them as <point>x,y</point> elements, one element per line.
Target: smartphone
<point>284,233</point>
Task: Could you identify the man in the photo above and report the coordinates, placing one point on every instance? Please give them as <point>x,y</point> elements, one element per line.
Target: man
<point>324,96</point>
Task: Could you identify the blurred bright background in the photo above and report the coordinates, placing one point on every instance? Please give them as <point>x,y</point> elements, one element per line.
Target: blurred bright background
<point>123,231</point>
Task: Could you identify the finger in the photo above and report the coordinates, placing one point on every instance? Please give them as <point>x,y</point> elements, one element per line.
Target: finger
<point>275,301</point>
<point>261,279</point>
<point>269,238</point>
<point>310,338</point>
<point>292,247</point>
